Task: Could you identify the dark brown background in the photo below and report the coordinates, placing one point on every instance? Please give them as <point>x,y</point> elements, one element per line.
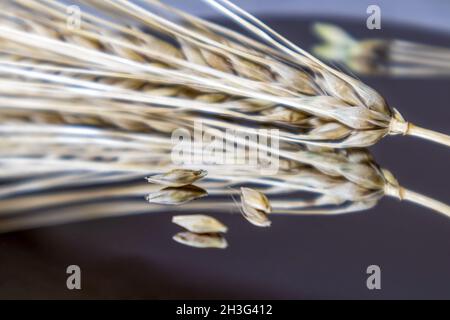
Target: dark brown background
<point>299,257</point>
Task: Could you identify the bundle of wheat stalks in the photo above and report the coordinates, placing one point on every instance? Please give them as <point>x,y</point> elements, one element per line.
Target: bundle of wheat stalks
<point>395,57</point>
<point>86,113</point>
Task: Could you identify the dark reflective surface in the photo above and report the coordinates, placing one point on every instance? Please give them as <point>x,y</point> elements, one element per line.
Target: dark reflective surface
<point>298,257</point>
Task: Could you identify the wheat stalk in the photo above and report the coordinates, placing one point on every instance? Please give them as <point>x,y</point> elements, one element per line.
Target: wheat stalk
<point>107,61</point>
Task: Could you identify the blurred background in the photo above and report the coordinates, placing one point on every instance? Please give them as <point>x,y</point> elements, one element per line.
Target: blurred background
<point>298,257</point>
<point>421,13</point>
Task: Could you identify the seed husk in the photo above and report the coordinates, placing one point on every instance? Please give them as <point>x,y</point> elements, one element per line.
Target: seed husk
<point>200,60</point>
<point>255,199</point>
<point>199,223</point>
<point>176,195</point>
<point>373,56</point>
<point>201,240</point>
<point>255,207</point>
<point>254,216</point>
<point>177,177</point>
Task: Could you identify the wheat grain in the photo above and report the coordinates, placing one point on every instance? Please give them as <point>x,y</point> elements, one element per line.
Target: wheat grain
<point>254,216</point>
<point>198,223</point>
<point>176,196</point>
<point>177,177</point>
<point>201,240</point>
<point>256,200</point>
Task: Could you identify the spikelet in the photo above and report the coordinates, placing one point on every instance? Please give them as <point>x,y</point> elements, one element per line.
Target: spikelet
<point>325,182</point>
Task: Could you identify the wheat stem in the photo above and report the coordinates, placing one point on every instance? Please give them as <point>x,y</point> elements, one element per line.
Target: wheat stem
<point>425,201</point>
<point>427,134</point>
<point>396,191</point>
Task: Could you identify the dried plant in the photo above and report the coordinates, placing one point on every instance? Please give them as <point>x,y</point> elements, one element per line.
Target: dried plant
<point>158,61</point>
<point>397,58</point>
<point>323,182</point>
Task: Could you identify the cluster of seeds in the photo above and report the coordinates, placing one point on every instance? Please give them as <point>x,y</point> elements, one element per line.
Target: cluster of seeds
<point>203,231</point>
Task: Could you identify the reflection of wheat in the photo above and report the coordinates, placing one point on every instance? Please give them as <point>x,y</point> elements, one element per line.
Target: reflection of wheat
<point>97,105</point>
<point>342,181</point>
<point>397,58</point>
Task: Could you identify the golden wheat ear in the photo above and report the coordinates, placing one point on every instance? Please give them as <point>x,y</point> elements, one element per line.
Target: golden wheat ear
<point>397,124</point>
